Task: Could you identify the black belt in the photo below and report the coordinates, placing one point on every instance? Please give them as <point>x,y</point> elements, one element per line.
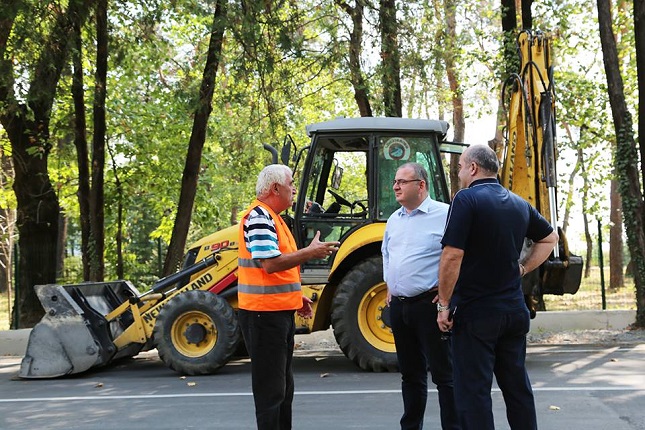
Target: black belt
<point>429,293</point>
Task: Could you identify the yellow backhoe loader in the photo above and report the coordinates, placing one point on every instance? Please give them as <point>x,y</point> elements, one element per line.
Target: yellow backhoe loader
<point>345,177</point>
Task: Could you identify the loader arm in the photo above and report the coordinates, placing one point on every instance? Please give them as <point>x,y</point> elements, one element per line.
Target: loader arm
<point>92,324</point>
<point>528,159</point>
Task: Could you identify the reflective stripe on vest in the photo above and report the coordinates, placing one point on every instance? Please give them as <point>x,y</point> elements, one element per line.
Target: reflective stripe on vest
<point>262,291</point>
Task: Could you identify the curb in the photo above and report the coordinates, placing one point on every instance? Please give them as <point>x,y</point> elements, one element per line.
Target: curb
<point>14,342</point>
<point>582,320</point>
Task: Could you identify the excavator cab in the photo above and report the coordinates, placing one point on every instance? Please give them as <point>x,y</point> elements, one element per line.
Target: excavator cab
<point>346,179</point>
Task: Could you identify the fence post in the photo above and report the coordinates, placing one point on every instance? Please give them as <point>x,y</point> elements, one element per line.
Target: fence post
<point>16,289</point>
<point>602,266</point>
<point>159,262</point>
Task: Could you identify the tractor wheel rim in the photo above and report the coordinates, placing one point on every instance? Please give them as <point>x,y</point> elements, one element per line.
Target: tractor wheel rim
<point>370,319</point>
<point>181,341</point>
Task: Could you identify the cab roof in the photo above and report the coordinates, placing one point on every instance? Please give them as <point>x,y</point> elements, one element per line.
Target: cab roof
<point>379,124</point>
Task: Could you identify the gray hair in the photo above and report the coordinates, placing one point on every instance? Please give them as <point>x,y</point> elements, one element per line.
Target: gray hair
<point>271,174</point>
<point>484,157</point>
<point>419,171</point>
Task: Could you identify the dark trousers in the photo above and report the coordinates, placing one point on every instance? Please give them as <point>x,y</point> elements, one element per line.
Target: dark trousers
<point>483,346</point>
<point>419,348</point>
<point>269,339</point>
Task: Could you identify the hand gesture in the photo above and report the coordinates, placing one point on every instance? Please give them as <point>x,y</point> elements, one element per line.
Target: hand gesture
<point>320,249</point>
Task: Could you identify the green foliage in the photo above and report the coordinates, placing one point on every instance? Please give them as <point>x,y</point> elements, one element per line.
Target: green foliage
<point>7,196</point>
<point>284,64</point>
<point>583,106</point>
<point>582,103</point>
<point>265,89</point>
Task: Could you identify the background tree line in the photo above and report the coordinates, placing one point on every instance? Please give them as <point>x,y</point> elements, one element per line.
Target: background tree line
<point>131,128</point>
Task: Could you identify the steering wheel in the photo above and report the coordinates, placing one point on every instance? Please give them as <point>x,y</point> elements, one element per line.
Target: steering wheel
<point>340,199</point>
<point>360,204</point>
<point>343,201</point>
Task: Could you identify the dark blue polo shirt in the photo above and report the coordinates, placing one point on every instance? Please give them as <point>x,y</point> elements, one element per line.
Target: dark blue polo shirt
<point>490,223</point>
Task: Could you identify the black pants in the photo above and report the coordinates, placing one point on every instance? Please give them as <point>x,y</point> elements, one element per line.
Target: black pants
<point>419,348</point>
<point>483,346</point>
<point>269,338</point>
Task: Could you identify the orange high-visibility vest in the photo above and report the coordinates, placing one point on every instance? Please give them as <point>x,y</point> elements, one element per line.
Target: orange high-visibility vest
<point>258,290</point>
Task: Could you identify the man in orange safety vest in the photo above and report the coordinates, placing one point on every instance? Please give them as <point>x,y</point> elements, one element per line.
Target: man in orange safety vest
<point>269,292</point>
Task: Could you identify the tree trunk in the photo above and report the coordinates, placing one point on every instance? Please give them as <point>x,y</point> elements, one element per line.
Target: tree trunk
<point>527,15</point>
<point>234,213</point>
<point>585,211</point>
<point>196,144</point>
<point>118,237</point>
<point>62,238</point>
<point>616,257</point>
<point>37,219</point>
<point>97,193</point>
<point>509,28</point>
<point>120,268</point>
<point>511,65</point>
<point>572,177</point>
<point>639,36</point>
<point>361,90</point>
<point>82,153</point>
<point>455,89</point>
<point>390,58</point>
<point>626,153</point>
<point>27,126</point>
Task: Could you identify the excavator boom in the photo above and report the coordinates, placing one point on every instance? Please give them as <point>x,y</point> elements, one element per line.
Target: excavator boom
<point>528,157</point>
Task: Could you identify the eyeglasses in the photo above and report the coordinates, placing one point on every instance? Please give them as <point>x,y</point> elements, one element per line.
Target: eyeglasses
<point>400,182</point>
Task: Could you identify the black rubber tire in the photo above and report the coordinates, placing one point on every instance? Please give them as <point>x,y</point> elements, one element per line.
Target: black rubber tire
<point>206,312</point>
<point>359,318</point>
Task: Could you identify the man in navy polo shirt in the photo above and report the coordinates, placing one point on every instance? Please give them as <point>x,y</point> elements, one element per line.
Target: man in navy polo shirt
<point>480,286</point>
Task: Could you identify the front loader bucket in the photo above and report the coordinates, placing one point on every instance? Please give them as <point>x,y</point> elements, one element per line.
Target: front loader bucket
<point>74,335</point>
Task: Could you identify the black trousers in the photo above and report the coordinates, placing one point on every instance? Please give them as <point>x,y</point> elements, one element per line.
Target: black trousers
<point>419,348</point>
<point>483,346</point>
<point>269,339</point>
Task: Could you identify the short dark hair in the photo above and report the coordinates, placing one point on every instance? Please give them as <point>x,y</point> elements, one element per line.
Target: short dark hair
<point>419,171</point>
<point>484,157</point>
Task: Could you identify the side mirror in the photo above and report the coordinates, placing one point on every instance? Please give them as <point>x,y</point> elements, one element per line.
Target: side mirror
<point>336,177</point>
<point>285,154</point>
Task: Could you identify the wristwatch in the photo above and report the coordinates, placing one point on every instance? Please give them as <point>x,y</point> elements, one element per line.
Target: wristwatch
<point>442,308</point>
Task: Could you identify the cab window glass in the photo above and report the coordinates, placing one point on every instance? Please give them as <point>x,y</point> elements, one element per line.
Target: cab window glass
<point>395,151</point>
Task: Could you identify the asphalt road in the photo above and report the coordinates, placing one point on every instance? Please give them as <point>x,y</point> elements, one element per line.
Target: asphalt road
<point>576,387</point>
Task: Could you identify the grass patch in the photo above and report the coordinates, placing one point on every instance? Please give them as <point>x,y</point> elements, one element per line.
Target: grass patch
<point>589,296</point>
<point>4,311</point>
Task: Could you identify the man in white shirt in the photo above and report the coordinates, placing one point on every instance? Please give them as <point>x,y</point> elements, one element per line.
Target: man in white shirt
<point>411,251</point>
